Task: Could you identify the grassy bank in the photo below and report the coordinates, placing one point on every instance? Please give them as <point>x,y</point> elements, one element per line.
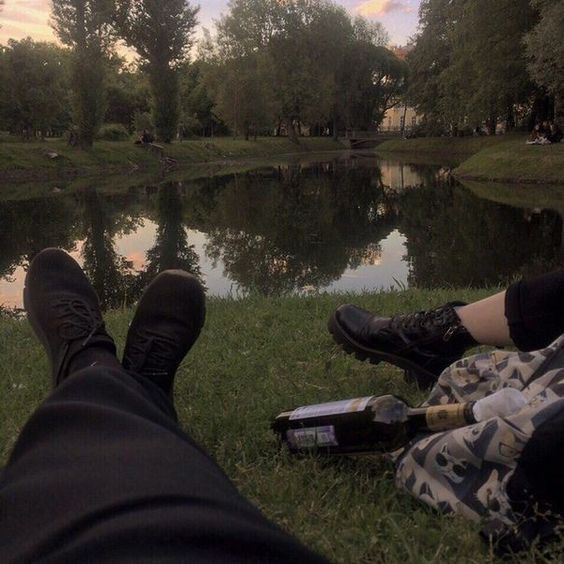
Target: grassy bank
<point>500,159</point>
<point>31,161</point>
<point>464,146</point>
<point>255,358</point>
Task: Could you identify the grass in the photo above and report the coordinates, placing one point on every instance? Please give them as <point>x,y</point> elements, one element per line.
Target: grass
<point>465,146</point>
<point>500,159</point>
<point>30,161</point>
<point>255,358</point>
<point>512,160</point>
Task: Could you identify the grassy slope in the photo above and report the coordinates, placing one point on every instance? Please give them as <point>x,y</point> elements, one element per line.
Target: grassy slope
<point>504,159</point>
<point>30,160</point>
<point>255,358</point>
<point>513,160</point>
<point>446,145</point>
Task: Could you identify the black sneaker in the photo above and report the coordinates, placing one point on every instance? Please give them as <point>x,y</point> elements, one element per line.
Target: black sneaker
<point>422,343</point>
<point>167,323</point>
<point>64,312</point>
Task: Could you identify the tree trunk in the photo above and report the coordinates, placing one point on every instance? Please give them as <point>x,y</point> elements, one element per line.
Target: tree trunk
<point>292,134</point>
<point>335,129</point>
<point>492,124</point>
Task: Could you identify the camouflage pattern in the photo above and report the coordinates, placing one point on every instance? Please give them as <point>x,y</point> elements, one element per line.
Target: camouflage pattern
<point>466,471</point>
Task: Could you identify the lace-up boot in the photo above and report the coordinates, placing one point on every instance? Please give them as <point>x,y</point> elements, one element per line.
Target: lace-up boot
<point>64,312</point>
<point>422,343</point>
<point>167,323</point>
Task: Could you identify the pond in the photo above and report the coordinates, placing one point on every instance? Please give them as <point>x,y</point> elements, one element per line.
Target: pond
<point>339,222</point>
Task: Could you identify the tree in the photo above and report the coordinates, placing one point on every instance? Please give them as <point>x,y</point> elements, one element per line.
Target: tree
<point>161,33</point>
<point>428,59</point>
<point>36,100</point>
<point>545,50</point>
<point>242,94</point>
<point>84,25</point>
<point>468,63</point>
<point>127,93</point>
<point>373,81</point>
<point>487,75</point>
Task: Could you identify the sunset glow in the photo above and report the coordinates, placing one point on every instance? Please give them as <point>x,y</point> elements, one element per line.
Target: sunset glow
<point>30,18</point>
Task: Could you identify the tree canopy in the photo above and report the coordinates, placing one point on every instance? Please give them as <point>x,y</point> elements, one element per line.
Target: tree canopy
<point>161,34</point>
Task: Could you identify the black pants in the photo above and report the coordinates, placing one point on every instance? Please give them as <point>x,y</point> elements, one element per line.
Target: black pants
<point>535,311</point>
<point>101,472</point>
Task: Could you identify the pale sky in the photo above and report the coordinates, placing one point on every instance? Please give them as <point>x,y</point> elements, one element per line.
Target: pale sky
<point>23,18</point>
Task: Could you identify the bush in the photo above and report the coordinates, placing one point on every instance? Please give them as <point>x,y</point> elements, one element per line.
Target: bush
<point>113,132</point>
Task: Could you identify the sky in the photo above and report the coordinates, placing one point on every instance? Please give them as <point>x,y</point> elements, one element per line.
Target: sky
<point>23,18</point>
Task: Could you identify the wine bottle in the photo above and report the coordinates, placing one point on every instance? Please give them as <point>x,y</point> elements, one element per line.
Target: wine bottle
<point>362,425</point>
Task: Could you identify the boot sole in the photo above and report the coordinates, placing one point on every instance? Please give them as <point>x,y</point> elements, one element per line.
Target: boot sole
<point>374,356</point>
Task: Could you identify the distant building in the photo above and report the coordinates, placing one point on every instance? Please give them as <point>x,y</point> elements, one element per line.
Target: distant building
<point>400,118</point>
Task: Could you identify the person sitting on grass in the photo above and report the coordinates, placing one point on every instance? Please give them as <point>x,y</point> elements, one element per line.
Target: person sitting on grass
<point>102,472</point>
<point>506,471</point>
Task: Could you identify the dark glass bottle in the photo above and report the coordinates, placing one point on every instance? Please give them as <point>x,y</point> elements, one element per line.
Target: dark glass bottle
<point>364,425</point>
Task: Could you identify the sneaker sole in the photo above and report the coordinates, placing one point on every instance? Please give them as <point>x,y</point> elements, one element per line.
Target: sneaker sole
<point>374,356</point>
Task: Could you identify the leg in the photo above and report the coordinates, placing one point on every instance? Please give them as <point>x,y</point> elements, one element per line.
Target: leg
<point>486,322</point>
<point>530,315</point>
<point>102,473</point>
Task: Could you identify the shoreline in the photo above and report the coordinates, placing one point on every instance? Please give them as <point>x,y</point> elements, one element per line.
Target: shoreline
<point>28,162</point>
<point>501,159</point>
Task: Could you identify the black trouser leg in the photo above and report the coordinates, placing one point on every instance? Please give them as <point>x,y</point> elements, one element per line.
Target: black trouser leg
<point>101,472</point>
<point>535,311</point>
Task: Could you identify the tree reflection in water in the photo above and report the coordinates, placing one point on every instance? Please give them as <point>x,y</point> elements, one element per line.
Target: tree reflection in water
<point>111,274</point>
<point>281,229</point>
<point>171,249</point>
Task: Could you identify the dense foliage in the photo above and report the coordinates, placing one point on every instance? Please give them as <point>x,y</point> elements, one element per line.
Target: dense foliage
<point>469,62</point>
<point>283,68</point>
<point>85,27</point>
<point>161,34</point>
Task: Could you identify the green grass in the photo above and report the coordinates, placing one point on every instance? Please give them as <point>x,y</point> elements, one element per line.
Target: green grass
<point>29,161</point>
<point>499,159</point>
<point>512,160</point>
<point>446,145</point>
<point>255,358</point>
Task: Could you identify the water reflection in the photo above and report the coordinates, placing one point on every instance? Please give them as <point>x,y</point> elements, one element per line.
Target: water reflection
<point>282,229</point>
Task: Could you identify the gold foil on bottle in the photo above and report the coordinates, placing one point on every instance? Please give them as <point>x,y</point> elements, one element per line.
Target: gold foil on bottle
<point>445,417</point>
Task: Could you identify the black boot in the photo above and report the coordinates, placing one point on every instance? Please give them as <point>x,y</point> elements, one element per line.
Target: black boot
<point>167,323</point>
<point>64,312</point>
<point>422,343</point>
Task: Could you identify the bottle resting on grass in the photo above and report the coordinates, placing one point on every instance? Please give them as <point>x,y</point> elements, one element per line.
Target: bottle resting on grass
<point>381,423</point>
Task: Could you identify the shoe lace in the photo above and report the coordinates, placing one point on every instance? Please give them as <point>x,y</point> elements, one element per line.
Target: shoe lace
<point>77,319</point>
<point>425,320</point>
<point>151,352</point>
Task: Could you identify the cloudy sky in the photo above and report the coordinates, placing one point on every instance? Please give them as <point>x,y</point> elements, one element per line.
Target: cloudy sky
<point>22,18</point>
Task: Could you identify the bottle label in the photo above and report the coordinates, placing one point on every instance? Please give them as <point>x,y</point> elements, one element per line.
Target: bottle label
<point>445,417</point>
<point>333,408</point>
<point>312,437</point>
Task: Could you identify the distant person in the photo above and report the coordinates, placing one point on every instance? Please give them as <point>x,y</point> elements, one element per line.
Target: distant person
<point>102,472</point>
<point>147,137</point>
<point>538,136</point>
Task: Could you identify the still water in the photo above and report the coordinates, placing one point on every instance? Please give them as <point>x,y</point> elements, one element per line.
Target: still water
<point>334,223</point>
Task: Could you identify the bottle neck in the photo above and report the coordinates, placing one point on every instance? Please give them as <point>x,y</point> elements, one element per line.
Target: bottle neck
<point>441,417</point>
